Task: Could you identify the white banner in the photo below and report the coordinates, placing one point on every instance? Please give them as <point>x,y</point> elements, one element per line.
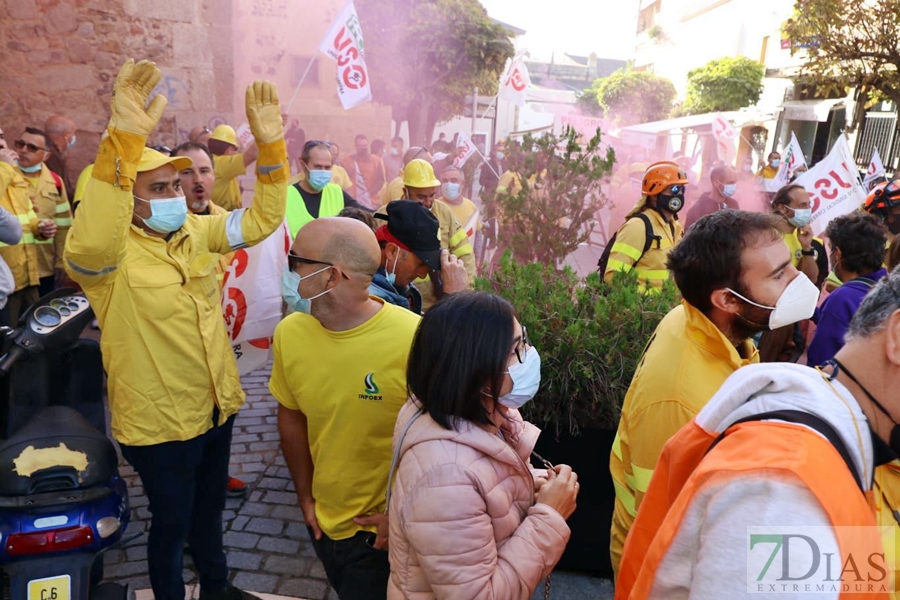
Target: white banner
<point>251,298</point>
<point>791,160</point>
<point>833,185</point>
<point>725,135</point>
<point>876,169</point>
<point>344,44</point>
<point>514,81</point>
<point>244,136</point>
<point>465,148</point>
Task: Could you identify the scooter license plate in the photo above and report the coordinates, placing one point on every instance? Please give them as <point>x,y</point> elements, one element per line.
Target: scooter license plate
<point>50,588</point>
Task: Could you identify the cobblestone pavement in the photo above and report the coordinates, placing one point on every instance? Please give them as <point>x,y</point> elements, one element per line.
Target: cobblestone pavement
<point>268,548</point>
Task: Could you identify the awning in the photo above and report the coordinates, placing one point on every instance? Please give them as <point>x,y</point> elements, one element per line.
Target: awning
<point>645,134</point>
<point>808,110</point>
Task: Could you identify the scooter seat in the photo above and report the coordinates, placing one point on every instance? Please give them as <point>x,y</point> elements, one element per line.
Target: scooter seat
<point>56,450</point>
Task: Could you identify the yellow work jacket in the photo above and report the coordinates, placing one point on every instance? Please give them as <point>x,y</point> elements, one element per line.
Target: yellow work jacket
<point>886,490</point>
<point>453,238</point>
<point>226,190</point>
<point>626,253</point>
<point>683,366</point>
<point>50,202</point>
<point>21,258</point>
<point>165,348</point>
<point>393,190</point>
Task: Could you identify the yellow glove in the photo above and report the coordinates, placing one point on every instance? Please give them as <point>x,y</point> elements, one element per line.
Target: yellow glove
<point>264,112</point>
<point>129,109</point>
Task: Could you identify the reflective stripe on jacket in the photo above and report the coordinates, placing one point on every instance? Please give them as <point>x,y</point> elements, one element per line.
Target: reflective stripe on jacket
<point>297,214</point>
<point>165,349</point>
<point>51,202</point>
<point>686,361</point>
<point>21,258</point>
<point>629,246</point>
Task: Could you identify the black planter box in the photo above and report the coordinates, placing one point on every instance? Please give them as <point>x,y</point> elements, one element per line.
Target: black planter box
<point>588,455</point>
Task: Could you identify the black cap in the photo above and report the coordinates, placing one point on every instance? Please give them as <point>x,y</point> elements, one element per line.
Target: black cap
<point>413,225</point>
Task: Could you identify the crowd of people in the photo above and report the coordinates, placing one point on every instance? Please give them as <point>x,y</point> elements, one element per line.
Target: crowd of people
<point>413,467</point>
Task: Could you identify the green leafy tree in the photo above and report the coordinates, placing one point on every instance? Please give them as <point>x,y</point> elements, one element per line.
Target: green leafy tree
<point>550,209</point>
<point>729,83</point>
<point>424,57</point>
<point>630,97</point>
<point>848,43</point>
<point>587,101</point>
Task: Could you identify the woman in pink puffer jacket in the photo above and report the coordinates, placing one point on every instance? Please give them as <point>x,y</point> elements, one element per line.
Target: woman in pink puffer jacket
<point>468,517</point>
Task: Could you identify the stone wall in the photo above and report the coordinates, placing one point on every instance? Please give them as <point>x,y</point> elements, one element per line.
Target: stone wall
<point>62,57</point>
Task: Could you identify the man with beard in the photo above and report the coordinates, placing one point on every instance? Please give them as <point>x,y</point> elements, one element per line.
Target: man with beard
<point>737,278</point>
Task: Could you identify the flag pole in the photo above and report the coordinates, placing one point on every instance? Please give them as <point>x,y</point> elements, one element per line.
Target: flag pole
<point>302,79</point>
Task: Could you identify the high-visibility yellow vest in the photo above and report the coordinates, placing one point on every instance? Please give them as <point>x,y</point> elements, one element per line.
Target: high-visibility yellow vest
<point>298,215</point>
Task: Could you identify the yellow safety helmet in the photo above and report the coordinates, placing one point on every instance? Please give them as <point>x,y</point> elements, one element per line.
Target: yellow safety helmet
<point>419,174</point>
<point>224,133</point>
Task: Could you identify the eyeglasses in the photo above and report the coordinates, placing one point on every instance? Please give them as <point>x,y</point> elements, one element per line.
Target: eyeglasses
<point>522,346</point>
<point>20,144</point>
<point>309,261</point>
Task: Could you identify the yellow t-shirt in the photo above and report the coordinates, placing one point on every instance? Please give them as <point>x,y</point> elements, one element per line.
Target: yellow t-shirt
<point>350,396</point>
<point>226,189</point>
<point>467,214</point>
<point>796,248</point>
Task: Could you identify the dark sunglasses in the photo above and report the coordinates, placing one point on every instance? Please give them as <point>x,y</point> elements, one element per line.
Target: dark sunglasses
<point>675,190</point>
<point>20,144</point>
<point>316,143</point>
<point>309,261</point>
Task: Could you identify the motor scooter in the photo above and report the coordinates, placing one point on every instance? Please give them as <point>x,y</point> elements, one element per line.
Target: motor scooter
<point>62,501</point>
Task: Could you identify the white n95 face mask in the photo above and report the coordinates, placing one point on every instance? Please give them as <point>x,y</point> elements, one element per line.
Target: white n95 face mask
<point>796,303</point>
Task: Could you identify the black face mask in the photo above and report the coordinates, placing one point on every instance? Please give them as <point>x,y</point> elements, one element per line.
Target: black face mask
<point>894,442</point>
<point>671,203</point>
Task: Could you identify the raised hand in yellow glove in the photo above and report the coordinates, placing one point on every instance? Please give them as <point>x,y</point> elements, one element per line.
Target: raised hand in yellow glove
<point>264,112</point>
<point>129,109</point>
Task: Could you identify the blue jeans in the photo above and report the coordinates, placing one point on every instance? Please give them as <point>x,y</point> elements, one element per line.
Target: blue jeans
<point>185,483</point>
<point>355,569</point>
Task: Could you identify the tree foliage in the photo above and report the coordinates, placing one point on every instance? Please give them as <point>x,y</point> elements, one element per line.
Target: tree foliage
<point>550,209</point>
<point>424,57</point>
<point>723,84</point>
<point>848,43</point>
<point>591,336</point>
<point>630,97</point>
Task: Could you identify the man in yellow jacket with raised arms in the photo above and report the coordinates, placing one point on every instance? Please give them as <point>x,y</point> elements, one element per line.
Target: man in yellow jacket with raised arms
<point>148,269</point>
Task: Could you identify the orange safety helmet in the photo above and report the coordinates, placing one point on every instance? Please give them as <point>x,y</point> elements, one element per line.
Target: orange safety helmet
<point>883,197</point>
<point>661,175</point>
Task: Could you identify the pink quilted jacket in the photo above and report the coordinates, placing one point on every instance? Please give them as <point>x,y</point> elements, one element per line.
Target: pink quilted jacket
<point>463,519</point>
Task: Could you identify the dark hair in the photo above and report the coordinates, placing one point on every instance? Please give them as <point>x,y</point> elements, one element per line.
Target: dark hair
<point>783,195</point>
<point>376,146</point>
<point>187,146</point>
<point>218,147</point>
<point>396,138</point>
<point>861,238</point>
<point>710,255</point>
<point>462,346</point>
<point>40,132</point>
<point>360,136</point>
<point>773,153</point>
<point>308,148</point>
<point>353,212</point>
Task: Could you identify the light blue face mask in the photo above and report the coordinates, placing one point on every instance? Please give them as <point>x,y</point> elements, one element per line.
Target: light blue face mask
<point>801,218</point>
<point>392,276</point>
<point>318,179</point>
<point>290,290</point>
<point>72,141</point>
<point>32,169</point>
<point>450,191</point>
<point>729,189</point>
<point>166,214</point>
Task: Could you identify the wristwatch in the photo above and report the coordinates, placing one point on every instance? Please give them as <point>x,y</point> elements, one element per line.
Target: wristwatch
<point>811,252</point>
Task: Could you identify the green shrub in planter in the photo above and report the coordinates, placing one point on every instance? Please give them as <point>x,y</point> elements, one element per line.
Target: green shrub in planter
<point>590,335</point>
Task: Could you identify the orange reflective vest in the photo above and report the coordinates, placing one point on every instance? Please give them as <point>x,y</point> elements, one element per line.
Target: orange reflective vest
<point>685,468</point>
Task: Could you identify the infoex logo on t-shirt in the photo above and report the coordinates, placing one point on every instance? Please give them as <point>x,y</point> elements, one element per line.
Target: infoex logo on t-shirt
<point>372,393</point>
